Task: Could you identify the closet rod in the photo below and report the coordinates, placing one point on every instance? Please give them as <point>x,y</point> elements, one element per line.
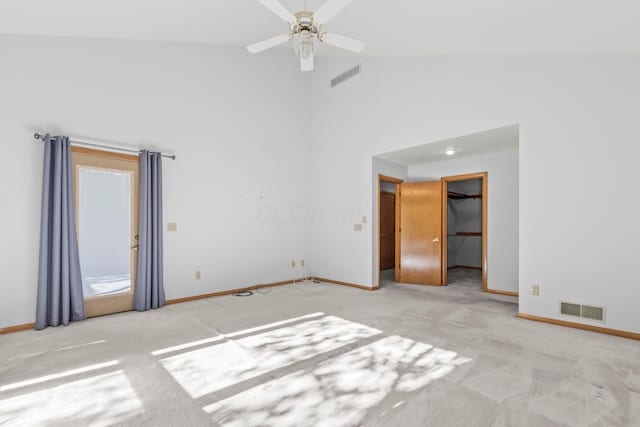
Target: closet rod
<point>455,195</point>
<point>108,147</point>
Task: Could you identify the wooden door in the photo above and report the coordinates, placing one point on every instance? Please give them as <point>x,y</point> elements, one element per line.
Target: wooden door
<point>420,233</point>
<point>387,230</point>
<point>106,204</point>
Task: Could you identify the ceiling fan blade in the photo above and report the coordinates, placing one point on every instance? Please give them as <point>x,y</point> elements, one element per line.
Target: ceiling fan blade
<point>267,44</point>
<point>276,7</point>
<point>306,64</point>
<point>329,10</point>
<point>343,42</point>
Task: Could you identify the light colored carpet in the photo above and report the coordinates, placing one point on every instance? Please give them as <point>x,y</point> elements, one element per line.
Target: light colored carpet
<point>458,277</point>
<point>465,277</point>
<point>323,355</point>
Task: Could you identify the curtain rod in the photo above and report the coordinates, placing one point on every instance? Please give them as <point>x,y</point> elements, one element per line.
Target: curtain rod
<point>110,147</point>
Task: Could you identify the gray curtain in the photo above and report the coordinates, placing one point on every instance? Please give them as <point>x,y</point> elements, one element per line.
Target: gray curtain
<point>149,285</point>
<point>60,298</point>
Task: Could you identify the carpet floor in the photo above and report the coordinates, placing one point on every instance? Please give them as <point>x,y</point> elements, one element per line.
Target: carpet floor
<point>321,355</point>
<point>465,277</point>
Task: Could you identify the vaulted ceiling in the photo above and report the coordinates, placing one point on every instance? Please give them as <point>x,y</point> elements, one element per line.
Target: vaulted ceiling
<point>389,27</point>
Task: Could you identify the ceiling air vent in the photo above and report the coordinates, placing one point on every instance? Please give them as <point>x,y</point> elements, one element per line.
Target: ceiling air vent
<point>345,76</point>
<point>589,312</point>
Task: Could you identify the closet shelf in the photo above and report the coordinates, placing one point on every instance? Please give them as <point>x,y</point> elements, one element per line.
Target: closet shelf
<point>457,196</point>
<point>465,233</point>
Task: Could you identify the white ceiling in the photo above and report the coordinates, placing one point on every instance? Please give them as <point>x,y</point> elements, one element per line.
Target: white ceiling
<point>390,27</point>
<point>500,139</point>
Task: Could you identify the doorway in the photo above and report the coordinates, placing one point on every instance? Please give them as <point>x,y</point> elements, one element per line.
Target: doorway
<point>464,217</point>
<point>388,219</point>
<point>495,151</point>
<point>106,208</point>
<point>440,231</point>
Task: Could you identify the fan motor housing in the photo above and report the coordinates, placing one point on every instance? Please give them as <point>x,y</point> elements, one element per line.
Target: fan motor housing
<point>304,22</point>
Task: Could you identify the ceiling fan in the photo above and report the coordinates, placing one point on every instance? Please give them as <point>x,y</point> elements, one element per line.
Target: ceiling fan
<point>304,27</point>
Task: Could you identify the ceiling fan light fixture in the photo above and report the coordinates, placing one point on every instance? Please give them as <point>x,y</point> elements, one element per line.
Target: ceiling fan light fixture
<point>304,27</point>
<point>304,45</point>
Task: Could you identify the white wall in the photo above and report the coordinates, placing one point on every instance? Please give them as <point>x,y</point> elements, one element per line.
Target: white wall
<point>502,209</point>
<point>223,113</point>
<point>578,157</point>
<point>239,189</point>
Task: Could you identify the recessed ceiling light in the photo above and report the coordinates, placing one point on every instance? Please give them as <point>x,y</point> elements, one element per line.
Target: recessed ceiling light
<point>450,151</point>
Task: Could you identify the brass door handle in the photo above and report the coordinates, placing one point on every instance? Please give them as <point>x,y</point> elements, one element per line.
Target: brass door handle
<point>135,248</point>
<point>437,239</point>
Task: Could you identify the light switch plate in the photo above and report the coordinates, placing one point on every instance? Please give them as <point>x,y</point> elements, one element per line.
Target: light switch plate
<point>364,219</point>
<point>172,226</point>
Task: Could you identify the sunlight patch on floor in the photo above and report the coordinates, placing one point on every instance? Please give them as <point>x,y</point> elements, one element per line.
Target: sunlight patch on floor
<point>213,368</point>
<point>185,346</point>
<point>70,347</point>
<point>232,334</point>
<point>339,391</point>
<point>63,374</point>
<point>273,325</point>
<point>101,400</point>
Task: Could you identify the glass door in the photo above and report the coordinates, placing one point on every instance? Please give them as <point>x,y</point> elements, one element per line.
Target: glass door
<point>106,205</point>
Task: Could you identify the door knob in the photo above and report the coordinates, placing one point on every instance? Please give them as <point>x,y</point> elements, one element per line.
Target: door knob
<point>135,248</point>
<point>437,239</point>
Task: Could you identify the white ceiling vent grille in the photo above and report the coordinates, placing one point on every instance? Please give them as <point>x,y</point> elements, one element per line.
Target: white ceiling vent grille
<point>589,312</point>
<point>345,76</point>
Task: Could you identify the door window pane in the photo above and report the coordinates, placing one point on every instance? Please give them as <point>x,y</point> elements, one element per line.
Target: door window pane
<point>104,230</point>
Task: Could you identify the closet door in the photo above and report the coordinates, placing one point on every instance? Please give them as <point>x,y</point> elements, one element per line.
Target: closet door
<point>420,233</point>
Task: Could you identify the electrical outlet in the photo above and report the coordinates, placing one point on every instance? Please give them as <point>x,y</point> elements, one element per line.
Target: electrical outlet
<point>293,264</point>
<point>535,289</point>
<point>197,275</point>
<point>172,226</point>
<point>302,263</point>
<point>357,227</point>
